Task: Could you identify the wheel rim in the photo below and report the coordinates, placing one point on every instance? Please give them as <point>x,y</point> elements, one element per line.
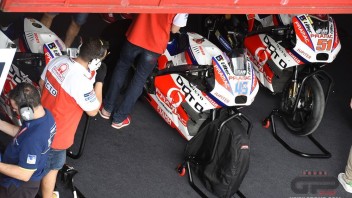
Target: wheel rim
<point>310,108</point>
<point>304,107</point>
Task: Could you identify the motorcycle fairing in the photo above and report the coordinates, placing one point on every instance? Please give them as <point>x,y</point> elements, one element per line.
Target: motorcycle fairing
<point>182,99</point>
<point>170,92</point>
<point>177,89</point>
<point>265,54</point>
<point>35,34</point>
<point>314,46</point>
<point>51,50</point>
<point>229,86</point>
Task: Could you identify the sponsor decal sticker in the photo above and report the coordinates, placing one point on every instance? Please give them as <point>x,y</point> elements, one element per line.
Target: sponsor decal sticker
<point>60,71</point>
<point>31,159</point>
<point>90,96</point>
<point>50,87</point>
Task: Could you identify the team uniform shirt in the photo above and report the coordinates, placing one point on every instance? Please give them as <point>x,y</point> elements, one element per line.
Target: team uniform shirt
<point>67,92</point>
<point>157,27</point>
<point>30,147</point>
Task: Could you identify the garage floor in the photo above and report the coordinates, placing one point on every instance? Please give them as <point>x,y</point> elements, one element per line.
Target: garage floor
<point>140,160</point>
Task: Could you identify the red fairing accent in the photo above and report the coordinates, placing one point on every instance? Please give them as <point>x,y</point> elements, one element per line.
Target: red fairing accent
<point>256,51</point>
<point>275,20</point>
<point>188,58</point>
<point>256,48</point>
<point>171,97</point>
<point>166,85</point>
<point>250,19</point>
<point>254,82</point>
<point>269,74</point>
<point>9,85</point>
<point>336,38</point>
<point>47,55</point>
<point>21,45</point>
<point>162,60</point>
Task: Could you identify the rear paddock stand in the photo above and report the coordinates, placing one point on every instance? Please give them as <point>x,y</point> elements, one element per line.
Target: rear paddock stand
<point>270,119</point>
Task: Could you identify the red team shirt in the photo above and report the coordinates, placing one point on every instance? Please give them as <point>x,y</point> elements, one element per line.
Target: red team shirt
<point>157,28</point>
<point>67,92</point>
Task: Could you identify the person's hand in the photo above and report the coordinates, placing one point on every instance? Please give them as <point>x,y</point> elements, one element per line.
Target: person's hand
<point>351,103</point>
<point>101,73</point>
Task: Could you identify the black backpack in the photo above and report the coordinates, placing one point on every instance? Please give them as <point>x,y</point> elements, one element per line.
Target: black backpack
<point>219,153</point>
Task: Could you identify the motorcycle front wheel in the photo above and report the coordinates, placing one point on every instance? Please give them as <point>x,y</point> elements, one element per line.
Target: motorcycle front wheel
<point>310,108</point>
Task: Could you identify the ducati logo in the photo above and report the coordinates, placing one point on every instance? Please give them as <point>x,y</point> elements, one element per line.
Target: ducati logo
<point>175,96</point>
<point>261,56</point>
<point>60,71</point>
<point>199,41</point>
<point>62,68</point>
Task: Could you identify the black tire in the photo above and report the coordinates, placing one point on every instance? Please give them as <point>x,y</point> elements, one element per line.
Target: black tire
<point>309,113</point>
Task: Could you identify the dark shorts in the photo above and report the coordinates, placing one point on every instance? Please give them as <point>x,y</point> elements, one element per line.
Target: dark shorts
<point>56,160</point>
<point>26,190</point>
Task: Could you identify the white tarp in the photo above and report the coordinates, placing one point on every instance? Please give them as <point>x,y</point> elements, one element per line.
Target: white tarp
<point>7,52</point>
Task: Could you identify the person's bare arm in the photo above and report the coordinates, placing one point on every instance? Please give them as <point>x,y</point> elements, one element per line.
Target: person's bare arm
<point>41,84</point>
<point>16,171</point>
<point>8,128</point>
<point>175,29</point>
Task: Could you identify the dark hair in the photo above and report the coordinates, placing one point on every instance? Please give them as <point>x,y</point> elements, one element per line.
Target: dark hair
<point>25,94</point>
<point>93,48</point>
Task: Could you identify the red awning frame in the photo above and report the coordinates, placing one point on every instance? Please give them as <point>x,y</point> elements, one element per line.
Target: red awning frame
<point>181,6</point>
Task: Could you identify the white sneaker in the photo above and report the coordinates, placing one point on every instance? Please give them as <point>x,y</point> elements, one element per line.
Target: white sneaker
<point>345,185</point>
<point>56,194</point>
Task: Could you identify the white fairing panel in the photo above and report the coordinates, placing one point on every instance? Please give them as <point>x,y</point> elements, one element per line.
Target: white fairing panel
<point>36,34</point>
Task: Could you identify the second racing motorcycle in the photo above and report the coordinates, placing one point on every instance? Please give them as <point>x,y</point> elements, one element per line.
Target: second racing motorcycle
<point>287,53</point>
<point>194,79</point>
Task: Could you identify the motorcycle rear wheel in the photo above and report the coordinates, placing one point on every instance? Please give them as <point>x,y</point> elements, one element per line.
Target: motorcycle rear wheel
<point>310,109</point>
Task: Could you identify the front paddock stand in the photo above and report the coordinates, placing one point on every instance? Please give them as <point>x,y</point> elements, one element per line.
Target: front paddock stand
<point>67,173</point>
<point>270,119</point>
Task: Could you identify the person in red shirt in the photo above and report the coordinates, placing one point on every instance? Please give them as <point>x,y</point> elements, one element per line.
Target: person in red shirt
<point>147,39</point>
<point>69,87</point>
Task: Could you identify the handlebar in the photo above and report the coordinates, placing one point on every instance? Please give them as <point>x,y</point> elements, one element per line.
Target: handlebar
<point>184,69</point>
<point>274,30</point>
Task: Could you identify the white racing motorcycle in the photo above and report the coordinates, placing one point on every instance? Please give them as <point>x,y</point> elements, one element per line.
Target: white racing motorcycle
<point>287,52</point>
<point>194,79</point>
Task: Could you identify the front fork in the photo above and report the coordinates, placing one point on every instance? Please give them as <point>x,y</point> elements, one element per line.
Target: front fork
<point>294,84</point>
<point>297,85</point>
